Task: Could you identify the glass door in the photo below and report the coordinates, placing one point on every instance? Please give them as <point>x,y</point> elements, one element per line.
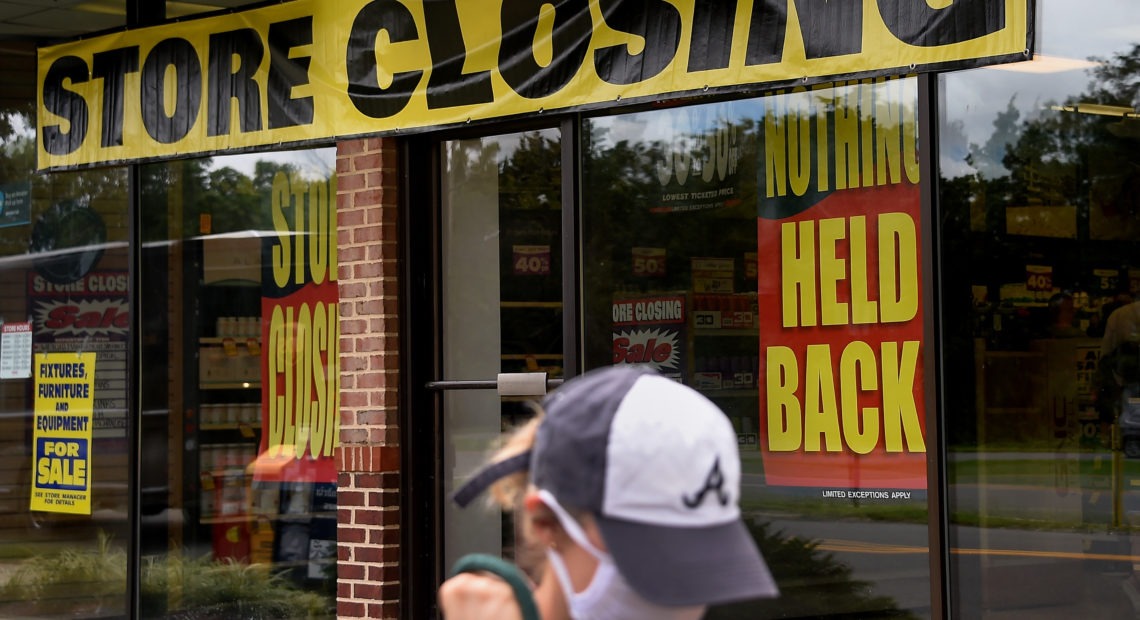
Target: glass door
<point>501,306</point>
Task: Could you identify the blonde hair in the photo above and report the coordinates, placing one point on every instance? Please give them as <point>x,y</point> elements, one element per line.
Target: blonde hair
<point>509,491</point>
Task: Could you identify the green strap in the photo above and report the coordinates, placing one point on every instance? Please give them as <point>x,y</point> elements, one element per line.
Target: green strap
<point>476,562</point>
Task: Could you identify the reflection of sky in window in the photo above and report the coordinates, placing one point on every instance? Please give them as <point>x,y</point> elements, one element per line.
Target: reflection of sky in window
<point>1066,29</point>
<point>669,125</point>
<point>311,163</point>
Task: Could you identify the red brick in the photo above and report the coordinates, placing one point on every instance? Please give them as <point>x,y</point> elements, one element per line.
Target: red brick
<point>367,271</point>
<point>349,147</point>
<point>390,554</point>
<point>349,609</point>
<point>349,436</point>
<point>350,364</point>
<point>350,498</point>
<point>368,481</point>
<point>367,161</point>
<point>368,197</point>
<point>351,181</point>
<point>391,573</point>
<point>347,256</point>
<point>372,380</point>
<point>367,591</point>
<point>386,536</point>
<point>367,555</point>
<point>389,517</point>
<point>351,571</point>
<point>375,419</point>
<point>348,289</point>
<point>355,326</point>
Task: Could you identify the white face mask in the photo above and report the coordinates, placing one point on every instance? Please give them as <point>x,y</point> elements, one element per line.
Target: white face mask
<point>608,596</point>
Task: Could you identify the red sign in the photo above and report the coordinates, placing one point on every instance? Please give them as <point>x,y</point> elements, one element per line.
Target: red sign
<point>648,262</point>
<point>1039,278</point>
<point>841,343</point>
<point>531,260</point>
<point>650,330</point>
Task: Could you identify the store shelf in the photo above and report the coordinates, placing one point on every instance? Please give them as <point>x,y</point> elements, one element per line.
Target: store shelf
<point>732,393</point>
<point>251,517</point>
<point>725,332</point>
<point>235,385</point>
<point>229,426</point>
<point>236,339</point>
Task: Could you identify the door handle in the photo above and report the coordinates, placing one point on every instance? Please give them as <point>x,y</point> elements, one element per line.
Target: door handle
<point>507,384</point>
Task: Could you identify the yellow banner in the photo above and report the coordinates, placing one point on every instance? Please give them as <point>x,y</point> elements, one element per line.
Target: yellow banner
<point>309,70</point>
<point>61,439</point>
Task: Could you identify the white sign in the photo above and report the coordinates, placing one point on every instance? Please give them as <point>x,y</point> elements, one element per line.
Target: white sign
<point>16,351</point>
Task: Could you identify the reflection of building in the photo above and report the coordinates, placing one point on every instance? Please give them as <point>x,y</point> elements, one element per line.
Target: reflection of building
<point>266,320</point>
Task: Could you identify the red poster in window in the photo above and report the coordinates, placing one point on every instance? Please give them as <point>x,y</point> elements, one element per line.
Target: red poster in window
<point>300,369</point>
<point>841,343</point>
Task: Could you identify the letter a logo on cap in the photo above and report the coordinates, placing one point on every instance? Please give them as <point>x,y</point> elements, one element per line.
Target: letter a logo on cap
<point>713,482</point>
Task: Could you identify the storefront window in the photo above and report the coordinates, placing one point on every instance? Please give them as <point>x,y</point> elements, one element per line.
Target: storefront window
<point>767,253</point>
<point>63,378</point>
<point>240,386</point>
<point>1038,197</point>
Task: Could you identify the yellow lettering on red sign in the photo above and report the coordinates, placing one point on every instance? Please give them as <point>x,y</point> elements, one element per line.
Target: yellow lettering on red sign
<point>304,380</point>
<point>822,423</point>
<point>811,271</point>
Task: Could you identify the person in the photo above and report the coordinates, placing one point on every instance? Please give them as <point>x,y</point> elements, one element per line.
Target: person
<point>1122,327</point>
<point>1062,317</point>
<point>630,484</point>
<point>1118,370</point>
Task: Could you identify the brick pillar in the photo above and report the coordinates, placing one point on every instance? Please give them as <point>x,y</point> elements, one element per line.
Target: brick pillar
<point>368,458</point>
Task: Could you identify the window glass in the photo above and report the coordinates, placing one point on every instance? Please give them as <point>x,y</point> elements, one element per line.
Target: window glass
<point>1038,190</point>
<point>239,386</point>
<point>63,374</point>
<point>502,306</point>
<point>766,252</point>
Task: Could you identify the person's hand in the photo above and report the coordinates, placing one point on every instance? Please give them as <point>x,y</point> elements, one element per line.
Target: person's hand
<point>474,596</point>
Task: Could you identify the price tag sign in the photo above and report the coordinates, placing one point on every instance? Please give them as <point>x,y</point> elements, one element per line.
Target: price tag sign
<point>649,262</point>
<point>531,260</point>
<point>1039,277</point>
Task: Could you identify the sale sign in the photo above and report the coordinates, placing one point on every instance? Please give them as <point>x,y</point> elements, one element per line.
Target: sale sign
<point>648,262</point>
<point>300,370</point>
<point>530,260</point>
<point>61,439</point>
<point>651,331</point>
<point>839,291</point>
<point>1039,278</point>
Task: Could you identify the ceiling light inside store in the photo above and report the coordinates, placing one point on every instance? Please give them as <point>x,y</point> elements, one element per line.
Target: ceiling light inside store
<point>1042,63</point>
<point>1097,108</point>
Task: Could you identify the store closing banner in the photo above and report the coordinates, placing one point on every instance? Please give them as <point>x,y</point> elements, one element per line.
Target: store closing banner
<point>305,70</point>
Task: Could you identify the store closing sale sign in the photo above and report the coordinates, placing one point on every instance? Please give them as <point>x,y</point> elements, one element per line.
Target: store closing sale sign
<point>839,290</point>
<point>305,70</point>
<point>300,372</point>
<point>61,438</point>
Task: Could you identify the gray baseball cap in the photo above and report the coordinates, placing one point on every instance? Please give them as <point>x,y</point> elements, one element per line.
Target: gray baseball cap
<point>657,465</point>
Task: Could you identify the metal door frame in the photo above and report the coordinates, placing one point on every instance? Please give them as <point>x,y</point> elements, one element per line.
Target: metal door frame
<point>421,380</point>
